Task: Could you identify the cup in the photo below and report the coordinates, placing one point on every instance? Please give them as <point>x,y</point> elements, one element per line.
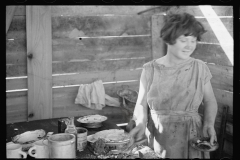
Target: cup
<point>40,149</point>
<point>81,138</point>
<point>15,151</point>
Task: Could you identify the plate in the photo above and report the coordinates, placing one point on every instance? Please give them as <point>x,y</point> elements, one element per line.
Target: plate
<point>203,144</point>
<point>27,139</point>
<point>112,136</point>
<point>92,119</point>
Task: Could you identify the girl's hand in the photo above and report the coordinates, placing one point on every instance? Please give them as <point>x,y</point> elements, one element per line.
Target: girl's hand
<point>209,131</point>
<point>138,132</point>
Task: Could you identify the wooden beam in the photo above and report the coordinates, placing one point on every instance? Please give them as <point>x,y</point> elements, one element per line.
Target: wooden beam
<point>9,15</point>
<point>158,46</point>
<point>39,62</point>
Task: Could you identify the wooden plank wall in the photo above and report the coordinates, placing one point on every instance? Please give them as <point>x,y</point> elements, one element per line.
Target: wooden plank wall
<point>113,47</point>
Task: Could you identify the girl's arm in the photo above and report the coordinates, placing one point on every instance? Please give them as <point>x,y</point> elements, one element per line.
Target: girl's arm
<point>140,110</point>
<point>210,112</point>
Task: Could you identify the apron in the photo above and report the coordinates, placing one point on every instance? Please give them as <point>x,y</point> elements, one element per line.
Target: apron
<point>174,96</point>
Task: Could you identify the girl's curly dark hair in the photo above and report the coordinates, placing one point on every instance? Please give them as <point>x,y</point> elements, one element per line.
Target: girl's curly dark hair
<point>180,24</point>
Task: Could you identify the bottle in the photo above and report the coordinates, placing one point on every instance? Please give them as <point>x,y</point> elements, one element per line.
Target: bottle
<point>71,128</point>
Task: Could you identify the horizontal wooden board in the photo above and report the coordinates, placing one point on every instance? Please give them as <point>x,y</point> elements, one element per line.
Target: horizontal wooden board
<point>16,107</point>
<point>96,66</point>
<point>101,48</point>
<point>89,77</point>
<point>211,53</point>
<point>222,77</point>
<point>126,10</point>
<point>97,10</point>
<point>94,26</point>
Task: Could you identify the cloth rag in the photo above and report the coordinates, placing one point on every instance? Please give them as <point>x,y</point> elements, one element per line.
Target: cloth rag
<point>93,96</point>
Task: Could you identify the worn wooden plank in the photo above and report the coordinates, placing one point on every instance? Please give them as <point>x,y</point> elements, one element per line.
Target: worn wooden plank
<point>222,77</point>
<point>211,53</point>
<point>9,15</point>
<point>159,48</point>
<point>104,65</point>
<point>94,26</point>
<point>88,77</point>
<point>97,10</point>
<point>16,107</point>
<point>39,45</point>
<point>101,48</point>
<point>16,83</point>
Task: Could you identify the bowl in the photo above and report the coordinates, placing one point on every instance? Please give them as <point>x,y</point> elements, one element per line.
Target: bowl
<point>92,121</point>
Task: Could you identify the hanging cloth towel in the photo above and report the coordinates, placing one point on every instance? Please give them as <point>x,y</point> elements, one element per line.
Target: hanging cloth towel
<point>93,96</point>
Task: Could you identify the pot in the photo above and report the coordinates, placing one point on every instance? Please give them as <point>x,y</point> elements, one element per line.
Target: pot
<point>62,145</point>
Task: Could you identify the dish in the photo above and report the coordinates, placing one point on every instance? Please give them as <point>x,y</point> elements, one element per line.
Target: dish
<point>112,135</point>
<point>27,139</point>
<point>92,119</point>
<point>203,144</point>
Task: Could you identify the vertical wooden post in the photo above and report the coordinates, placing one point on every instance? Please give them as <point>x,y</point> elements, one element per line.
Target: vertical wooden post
<point>159,48</point>
<point>9,15</point>
<point>39,62</point>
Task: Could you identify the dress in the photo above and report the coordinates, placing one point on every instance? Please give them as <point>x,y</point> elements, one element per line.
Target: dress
<point>174,95</point>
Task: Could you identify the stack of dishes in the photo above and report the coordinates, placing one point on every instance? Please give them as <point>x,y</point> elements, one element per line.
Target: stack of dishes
<point>92,121</point>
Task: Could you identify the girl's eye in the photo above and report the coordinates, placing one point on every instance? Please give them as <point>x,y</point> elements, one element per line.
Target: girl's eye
<point>183,40</point>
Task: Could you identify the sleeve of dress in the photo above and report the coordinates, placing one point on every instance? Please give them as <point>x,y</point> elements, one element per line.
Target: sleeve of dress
<point>207,74</point>
<point>148,73</point>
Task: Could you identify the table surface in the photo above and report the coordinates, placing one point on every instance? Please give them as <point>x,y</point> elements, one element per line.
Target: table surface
<point>51,125</point>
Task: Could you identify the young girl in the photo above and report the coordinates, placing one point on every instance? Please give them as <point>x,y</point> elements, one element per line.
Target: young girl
<point>173,87</point>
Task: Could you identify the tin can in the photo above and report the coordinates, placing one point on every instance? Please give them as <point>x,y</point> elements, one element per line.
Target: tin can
<point>61,125</point>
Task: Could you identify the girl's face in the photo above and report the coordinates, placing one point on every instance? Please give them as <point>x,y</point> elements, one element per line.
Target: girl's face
<point>183,48</point>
